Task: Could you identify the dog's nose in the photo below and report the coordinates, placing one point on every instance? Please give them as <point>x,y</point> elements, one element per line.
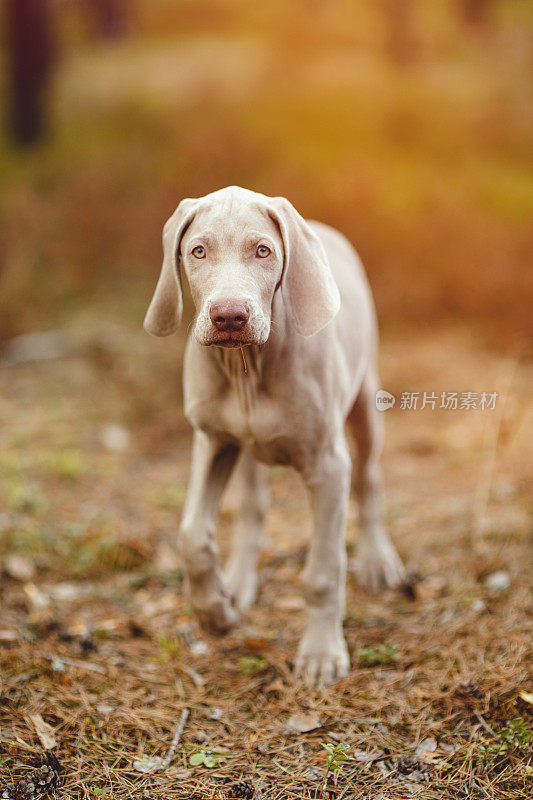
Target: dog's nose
<point>229,315</point>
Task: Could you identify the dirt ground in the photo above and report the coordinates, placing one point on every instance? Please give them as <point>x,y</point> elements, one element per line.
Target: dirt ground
<point>98,638</point>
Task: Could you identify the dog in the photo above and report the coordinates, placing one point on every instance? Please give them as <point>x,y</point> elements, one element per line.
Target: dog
<point>280,358</point>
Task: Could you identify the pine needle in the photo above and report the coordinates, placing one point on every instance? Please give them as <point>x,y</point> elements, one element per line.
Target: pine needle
<point>244,360</point>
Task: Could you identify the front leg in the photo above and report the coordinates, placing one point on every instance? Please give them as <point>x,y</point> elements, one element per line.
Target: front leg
<point>250,496</point>
<point>322,654</point>
<point>212,462</point>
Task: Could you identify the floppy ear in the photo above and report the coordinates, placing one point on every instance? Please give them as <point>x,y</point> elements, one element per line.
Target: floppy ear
<point>308,287</point>
<point>165,310</point>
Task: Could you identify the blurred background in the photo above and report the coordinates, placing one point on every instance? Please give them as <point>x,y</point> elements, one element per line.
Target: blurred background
<point>408,124</point>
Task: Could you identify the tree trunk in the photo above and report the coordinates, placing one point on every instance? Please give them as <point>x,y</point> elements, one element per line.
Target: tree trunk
<point>110,19</point>
<point>399,16</point>
<point>476,12</point>
<point>30,58</point>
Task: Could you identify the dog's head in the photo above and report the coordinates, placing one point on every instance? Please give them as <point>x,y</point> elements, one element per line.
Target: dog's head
<point>236,248</point>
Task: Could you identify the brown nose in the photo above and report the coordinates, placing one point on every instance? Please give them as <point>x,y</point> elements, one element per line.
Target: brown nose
<point>229,315</point>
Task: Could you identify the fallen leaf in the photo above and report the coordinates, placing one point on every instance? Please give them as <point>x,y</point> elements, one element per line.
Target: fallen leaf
<point>105,709</point>
<point>214,713</point>
<point>428,745</point>
<point>147,764</point>
<point>257,644</point>
<point>38,600</point>
<point>44,731</point>
<point>527,697</point>
<point>6,637</point>
<point>303,723</point>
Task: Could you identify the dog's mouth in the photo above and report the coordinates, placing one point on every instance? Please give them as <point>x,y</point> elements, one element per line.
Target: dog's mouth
<point>253,334</point>
<point>231,340</point>
<point>242,338</point>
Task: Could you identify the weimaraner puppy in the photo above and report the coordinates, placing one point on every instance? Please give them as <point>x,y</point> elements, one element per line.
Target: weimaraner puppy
<point>281,355</point>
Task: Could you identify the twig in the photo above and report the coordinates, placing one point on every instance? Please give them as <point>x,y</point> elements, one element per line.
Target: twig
<point>175,741</point>
<point>22,745</point>
<point>485,725</point>
<point>74,662</point>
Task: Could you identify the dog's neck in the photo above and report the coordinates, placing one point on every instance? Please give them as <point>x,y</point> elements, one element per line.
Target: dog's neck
<point>243,370</point>
<point>239,362</point>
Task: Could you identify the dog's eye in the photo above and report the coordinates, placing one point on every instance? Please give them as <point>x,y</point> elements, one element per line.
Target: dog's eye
<point>263,251</point>
<point>198,251</point>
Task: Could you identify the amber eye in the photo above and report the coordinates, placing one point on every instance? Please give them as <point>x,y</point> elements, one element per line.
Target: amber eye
<point>263,251</point>
<point>198,251</point>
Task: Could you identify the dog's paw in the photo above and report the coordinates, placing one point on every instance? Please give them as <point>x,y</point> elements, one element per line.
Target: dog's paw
<point>242,586</point>
<point>378,565</point>
<point>322,659</point>
<point>215,611</point>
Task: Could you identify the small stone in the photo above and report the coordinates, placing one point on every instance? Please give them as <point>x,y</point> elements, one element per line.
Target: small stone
<point>115,438</point>
<point>199,648</point>
<point>105,709</point>
<point>303,723</point>
<point>498,581</point>
<point>19,567</point>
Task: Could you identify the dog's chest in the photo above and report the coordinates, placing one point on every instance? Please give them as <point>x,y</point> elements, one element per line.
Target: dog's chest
<point>254,420</point>
<point>258,422</point>
<point>248,411</point>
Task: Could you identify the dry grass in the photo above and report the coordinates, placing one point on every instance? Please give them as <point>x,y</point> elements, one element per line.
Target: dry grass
<point>105,647</point>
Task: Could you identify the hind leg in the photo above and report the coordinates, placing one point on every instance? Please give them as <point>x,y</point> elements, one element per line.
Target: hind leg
<point>377,563</point>
<point>250,499</point>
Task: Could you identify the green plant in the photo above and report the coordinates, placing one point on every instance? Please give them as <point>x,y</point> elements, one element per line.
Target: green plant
<point>337,755</point>
<point>515,735</point>
<point>204,758</point>
<point>25,497</point>
<point>380,654</point>
<point>169,498</point>
<point>250,665</point>
<point>68,464</point>
<point>170,648</point>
